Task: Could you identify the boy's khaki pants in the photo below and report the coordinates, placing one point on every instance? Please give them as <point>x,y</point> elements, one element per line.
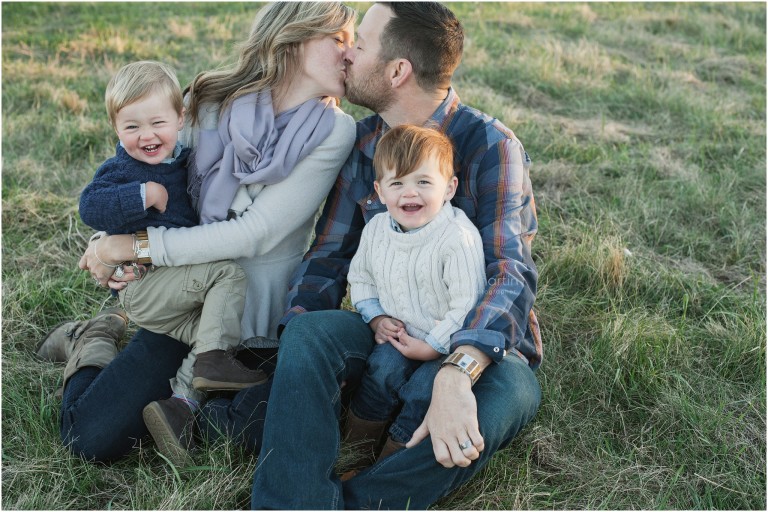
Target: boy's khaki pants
<point>200,305</point>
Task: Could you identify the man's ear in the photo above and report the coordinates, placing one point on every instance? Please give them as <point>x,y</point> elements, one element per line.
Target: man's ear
<point>400,72</point>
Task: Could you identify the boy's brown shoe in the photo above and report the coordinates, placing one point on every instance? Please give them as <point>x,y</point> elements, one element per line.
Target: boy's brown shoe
<point>218,370</point>
<point>171,424</point>
<point>390,447</point>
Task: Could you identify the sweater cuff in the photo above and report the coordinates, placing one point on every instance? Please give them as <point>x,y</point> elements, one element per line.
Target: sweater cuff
<point>369,309</point>
<point>432,342</point>
<point>130,202</point>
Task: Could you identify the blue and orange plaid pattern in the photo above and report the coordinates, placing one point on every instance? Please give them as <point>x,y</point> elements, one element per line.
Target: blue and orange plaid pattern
<point>494,191</point>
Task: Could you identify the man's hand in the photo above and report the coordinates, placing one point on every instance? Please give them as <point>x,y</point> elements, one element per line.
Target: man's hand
<point>157,196</point>
<point>414,348</point>
<point>385,329</point>
<point>452,416</point>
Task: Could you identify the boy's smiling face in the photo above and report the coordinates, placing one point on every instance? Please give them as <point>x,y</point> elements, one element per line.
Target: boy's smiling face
<point>415,199</point>
<point>149,128</point>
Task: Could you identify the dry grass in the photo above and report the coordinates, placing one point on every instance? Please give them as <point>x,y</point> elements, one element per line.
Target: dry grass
<point>646,126</point>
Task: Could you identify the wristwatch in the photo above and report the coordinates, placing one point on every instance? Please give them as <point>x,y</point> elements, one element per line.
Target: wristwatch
<point>141,248</point>
<point>464,363</point>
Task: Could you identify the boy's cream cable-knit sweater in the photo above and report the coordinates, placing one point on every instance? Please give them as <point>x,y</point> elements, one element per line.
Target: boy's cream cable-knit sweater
<point>429,279</point>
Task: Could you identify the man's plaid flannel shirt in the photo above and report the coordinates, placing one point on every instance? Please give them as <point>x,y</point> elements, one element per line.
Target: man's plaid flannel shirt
<point>494,191</point>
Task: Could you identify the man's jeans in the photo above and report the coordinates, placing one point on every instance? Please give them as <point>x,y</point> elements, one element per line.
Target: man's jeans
<point>391,379</point>
<point>319,351</point>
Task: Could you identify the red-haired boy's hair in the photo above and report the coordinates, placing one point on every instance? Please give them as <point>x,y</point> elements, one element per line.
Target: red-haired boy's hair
<point>405,147</point>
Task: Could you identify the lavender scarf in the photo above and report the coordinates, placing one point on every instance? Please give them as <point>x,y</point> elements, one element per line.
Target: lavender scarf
<point>250,146</point>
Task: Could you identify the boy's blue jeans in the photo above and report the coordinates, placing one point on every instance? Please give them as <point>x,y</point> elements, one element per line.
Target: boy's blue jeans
<point>300,443</point>
<point>391,379</point>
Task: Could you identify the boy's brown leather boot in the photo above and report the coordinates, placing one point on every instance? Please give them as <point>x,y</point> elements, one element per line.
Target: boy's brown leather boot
<point>218,370</point>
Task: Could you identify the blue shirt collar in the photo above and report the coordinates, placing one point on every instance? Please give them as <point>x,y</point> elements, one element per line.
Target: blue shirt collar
<point>176,152</point>
<point>440,118</point>
<point>396,227</point>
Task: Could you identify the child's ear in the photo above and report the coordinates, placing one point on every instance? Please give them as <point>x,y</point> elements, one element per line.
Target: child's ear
<point>378,191</point>
<point>181,118</point>
<point>450,190</point>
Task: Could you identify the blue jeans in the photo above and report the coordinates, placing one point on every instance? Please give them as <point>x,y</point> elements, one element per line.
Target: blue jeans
<point>392,379</point>
<point>300,444</point>
<point>101,410</point>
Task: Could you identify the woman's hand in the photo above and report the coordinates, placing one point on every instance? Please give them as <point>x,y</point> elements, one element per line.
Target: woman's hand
<point>124,274</point>
<point>91,262</point>
<point>104,254</point>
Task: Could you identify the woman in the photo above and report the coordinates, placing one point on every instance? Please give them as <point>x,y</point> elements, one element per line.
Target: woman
<point>285,76</point>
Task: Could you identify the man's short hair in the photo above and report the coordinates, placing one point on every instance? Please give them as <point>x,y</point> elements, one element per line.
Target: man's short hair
<point>136,80</point>
<point>429,35</point>
<point>405,147</point>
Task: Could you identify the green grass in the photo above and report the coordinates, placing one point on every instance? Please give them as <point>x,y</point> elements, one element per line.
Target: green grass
<point>646,126</point>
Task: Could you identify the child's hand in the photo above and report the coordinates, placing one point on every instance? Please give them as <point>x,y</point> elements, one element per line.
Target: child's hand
<point>157,196</point>
<point>385,328</point>
<point>414,348</point>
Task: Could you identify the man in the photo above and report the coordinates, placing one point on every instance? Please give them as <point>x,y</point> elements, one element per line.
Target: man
<point>400,67</point>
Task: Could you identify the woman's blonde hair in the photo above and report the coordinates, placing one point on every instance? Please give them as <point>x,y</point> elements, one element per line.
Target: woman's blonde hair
<point>270,55</point>
<point>136,80</point>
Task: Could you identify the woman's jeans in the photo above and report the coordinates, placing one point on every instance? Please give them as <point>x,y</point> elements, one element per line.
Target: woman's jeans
<point>101,411</point>
<point>390,380</point>
<point>300,444</point>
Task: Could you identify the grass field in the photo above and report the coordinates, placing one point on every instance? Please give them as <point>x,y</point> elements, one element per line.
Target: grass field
<point>646,124</point>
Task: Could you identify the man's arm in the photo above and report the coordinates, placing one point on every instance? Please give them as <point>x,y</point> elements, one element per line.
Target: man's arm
<point>506,219</point>
<point>320,282</point>
<point>452,391</point>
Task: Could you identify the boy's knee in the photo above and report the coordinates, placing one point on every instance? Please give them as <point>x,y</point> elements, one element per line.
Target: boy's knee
<point>387,371</point>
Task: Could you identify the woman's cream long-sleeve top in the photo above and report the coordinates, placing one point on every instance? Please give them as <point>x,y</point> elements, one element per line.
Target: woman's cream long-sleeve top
<point>271,236</point>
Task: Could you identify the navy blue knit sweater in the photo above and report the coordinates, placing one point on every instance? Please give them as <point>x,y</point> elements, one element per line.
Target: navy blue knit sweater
<point>112,201</point>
